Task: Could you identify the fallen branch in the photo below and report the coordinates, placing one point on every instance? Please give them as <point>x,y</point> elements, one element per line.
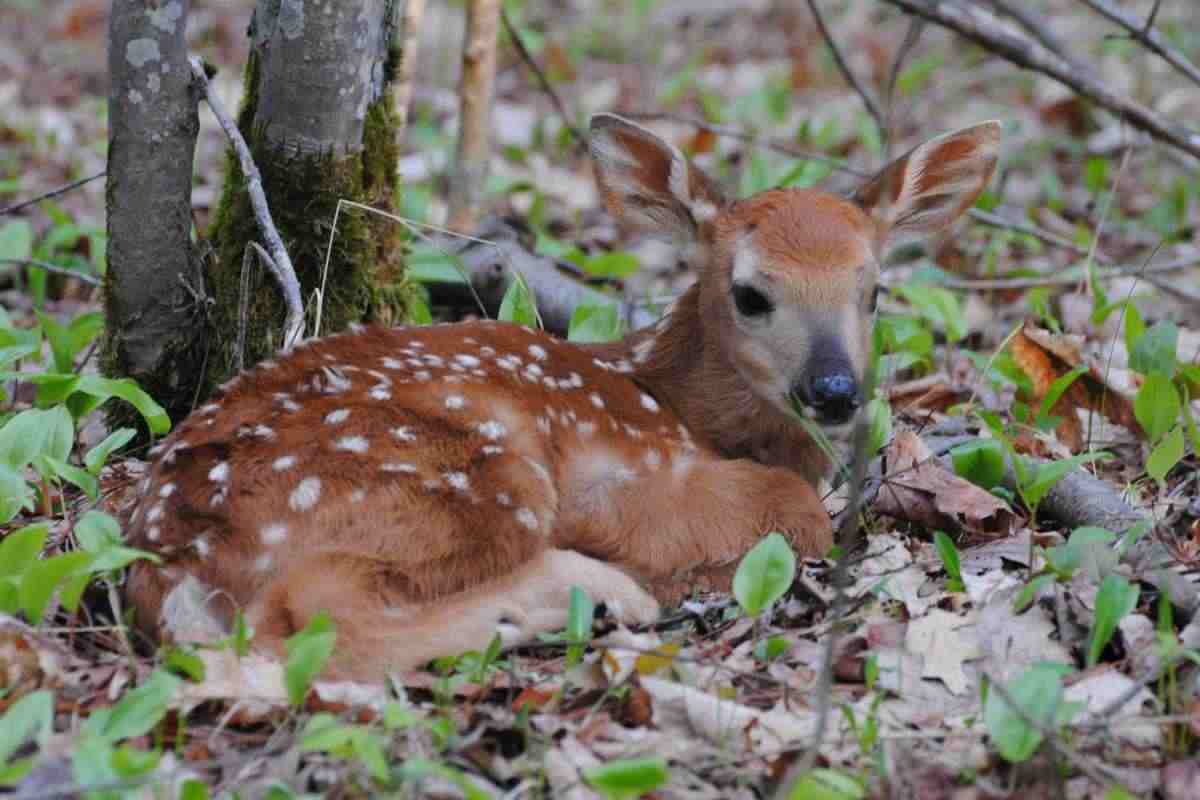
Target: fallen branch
<point>1025,52</point>
<point>279,263</point>
<point>1147,35</point>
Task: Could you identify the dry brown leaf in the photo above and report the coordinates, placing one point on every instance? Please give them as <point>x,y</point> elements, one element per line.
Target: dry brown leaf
<point>937,637</point>
<point>919,488</point>
<point>1045,357</point>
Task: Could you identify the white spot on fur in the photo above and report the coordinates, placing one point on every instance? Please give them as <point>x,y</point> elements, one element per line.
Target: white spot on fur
<point>455,402</point>
<point>404,434</point>
<point>503,499</point>
<point>596,399</point>
<point>167,490</point>
<point>395,466</point>
<point>543,425</point>
<point>458,480</point>
<point>649,403</point>
<point>153,532</point>
<point>263,432</point>
<point>491,450</point>
<point>358,495</point>
<point>653,459</point>
<point>275,533</point>
<point>354,444</point>
<point>380,392</point>
<point>202,546</point>
<point>305,495</point>
<point>493,429</point>
<point>210,408</point>
<point>391,363</point>
<point>283,462</point>
<point>422,375</point>
<point>467,361</point>
<point>220,472</point>
<point>538,352</point>
<point>642,351</point>
<point>586,428</point>
<point>155,513</point>
<point>527,518</point>
<point>338,416</point>
<point>263,563</point>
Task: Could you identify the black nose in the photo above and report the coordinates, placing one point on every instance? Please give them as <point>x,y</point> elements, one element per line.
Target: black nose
<point>835,395</point>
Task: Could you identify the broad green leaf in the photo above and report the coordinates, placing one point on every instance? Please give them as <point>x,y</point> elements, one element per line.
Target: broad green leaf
<point>1116,598</point>
<point>96,457</point>
<point>428,264</point>
<point>1030,591</point>
<point>631,777</point>
<point>1166,454</point>
<point>73,475</point>
<point>16,239</point>
<point>980,461</point>
<point>324,733</point>
<point>31,717</point>
<point>23,437</point>
<point>879,421</point>
<point>764,574</point>
<point>193,789</point>
<point>97,532</point>
<point>44,577</point>
<point>581,613</point>
<point>1046,475</point>
<point>183,662</point>
<point>141,709</point>
<point>1157,406</point>
<point>1154,351</point>
<point>1086,545</point>
<point>16,352</point>
<point>616,264</point>
<point>826,784</point>
<point>518,304</point>
<point>1053,394</point>
<point>19,550</point>
<point>595,323</point>
<point>15,494</point>
<point>1038,693</point>
<point>128,391</point>
<point>949,554</point>
<point>307,652</point>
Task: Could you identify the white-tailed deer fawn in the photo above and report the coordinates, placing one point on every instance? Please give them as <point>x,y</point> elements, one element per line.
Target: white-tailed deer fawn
<point>431,487</point>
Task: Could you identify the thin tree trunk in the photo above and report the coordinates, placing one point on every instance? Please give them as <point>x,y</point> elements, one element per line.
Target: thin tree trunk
<point>151,315</point>
<point>320,120</point>
<point>414,13</point>
<point>475,104</point>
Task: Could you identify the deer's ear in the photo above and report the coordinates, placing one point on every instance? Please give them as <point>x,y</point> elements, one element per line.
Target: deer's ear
<point>929,187</point>
<point>648,184</point>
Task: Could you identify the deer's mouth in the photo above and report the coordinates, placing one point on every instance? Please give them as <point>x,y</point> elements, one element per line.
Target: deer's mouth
<point>834,417</point>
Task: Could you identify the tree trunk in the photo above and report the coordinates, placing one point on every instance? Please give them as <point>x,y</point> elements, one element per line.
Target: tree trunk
<point>152,318</point>
<point>320,121</point>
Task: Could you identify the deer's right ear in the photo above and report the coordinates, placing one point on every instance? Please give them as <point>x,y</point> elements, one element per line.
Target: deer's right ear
<point>648,184</point>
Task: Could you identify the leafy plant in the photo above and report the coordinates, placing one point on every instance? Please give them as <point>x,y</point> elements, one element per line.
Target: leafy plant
<point>826,784</point>
<point>30,718</point>
<point>1037,702</point>
<point>1116,598</point>
<point>949,554</point>
<point>519,305</point>
<point>626,778</point>
<point>764,574</point>
<point>581,613</point>
<point>324,733</point>
<point>595,323</point>
<point>308,651</point>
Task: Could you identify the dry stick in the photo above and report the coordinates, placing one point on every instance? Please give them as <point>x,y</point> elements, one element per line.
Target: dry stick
<point>1044,236</point>
<point>279,263</point>
<point>52,193</point>
<point>57,270</point>
<point>741,135</point>
<point>843,67</point>
<point>542,80</point>
<point>414,11</point>
<point>1033,24</point>
<point>1027,53</point>
<point>1147,35</point>
<point>911,37</point>
<point>474,123</point>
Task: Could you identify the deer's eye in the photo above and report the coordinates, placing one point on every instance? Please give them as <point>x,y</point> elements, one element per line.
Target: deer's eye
<point>751,302</point>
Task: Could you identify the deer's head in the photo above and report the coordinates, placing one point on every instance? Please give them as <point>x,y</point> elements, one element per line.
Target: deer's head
<point>788,276</point>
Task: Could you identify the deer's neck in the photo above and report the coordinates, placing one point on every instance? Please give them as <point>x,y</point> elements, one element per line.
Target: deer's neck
<point>680,361</point>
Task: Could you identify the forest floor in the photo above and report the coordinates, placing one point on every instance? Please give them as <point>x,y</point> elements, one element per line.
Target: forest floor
<point>1019,615</point>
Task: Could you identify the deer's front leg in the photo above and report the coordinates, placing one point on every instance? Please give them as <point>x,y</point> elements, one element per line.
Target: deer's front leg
<point>685,524</point>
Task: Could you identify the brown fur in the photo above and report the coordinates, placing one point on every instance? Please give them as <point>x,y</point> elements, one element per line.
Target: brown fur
<point>431,487</point>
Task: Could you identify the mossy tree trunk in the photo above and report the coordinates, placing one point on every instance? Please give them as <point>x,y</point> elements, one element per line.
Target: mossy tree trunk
<point>153,287</point>
<point>320,121</point>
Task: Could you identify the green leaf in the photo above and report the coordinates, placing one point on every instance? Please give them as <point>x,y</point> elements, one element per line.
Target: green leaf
<point>826,784</point>
<point>23,437</point>
<point>325,734</point>
<point>128,391</point>
<point>616,264</point>
<point>1047,474</point>
<point>581,613</point>
<point>15,494</point>
<point>307,652</point>
<point>141,709</point>
<point>949,554</point>
<point>426,263</point>
<point>416,768</point>
<point>1166,454</point>
<point>764,574</point>
<point>193,789</point>
<point>1030,591</point>
<point>1157,406</point>
<point>595,323</point>
<point>771,648</point>
<point>44,577</point>
<point>1038,693</point>
<point>1087,545</point>
<point>20,550</point>
<point>73,475</point>
<point>1116,598</point>
<point>1154,351</point>
<point>1053,394</point>
<point>16,239</point>
<point>518,304</point>
<point>96,457</point>
<point>879,424</point>
<point>31,717</point>
<point>184,662</point>
<point>981,462</point>
<point>631,777</point>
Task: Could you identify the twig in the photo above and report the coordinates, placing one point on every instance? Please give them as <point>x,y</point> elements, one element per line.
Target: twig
<point>1147,35</point>
<point>293,323</point>
<point>1066,279</point>
<point>1044,236</point>
<point>543,81</point>
<point>57,270</point>
<point>1032,24</point>
<point>414,11</point>
<point>911,37</point>
<point>279,263</point>
<point>843,67</point>
<point>52,193</point>
<point>741,135</point>
<point>474,120</point>
<point>1024,52</point>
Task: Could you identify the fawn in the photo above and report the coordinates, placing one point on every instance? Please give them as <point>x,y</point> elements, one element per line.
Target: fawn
<point>433,487</point>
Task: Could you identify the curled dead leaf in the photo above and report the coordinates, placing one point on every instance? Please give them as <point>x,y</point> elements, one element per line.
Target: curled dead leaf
<point>920,489</point>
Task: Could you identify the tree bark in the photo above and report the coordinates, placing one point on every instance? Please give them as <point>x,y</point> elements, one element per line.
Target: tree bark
<point>151,315</point>
<point>320,121</point>
<point>475,114</point>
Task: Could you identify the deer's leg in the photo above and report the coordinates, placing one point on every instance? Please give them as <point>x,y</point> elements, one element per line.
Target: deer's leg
<point>377,631</point>
<point>686,524</point>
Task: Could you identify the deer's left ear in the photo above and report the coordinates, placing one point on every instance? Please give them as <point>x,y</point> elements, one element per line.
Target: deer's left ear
<point>929,187</point>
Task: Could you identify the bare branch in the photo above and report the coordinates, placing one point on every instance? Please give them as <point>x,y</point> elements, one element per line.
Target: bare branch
<point>1034,25</point>
<point>1026,53</point>
<point>57,270</point>
<point>911,37</point>
<point>52,193</point>
<point>844,67</point>
<point>1147,35</point>
<point>474,121</point>
<point>279,263</point>
<point>543,81</point>
<point>414,11</point>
